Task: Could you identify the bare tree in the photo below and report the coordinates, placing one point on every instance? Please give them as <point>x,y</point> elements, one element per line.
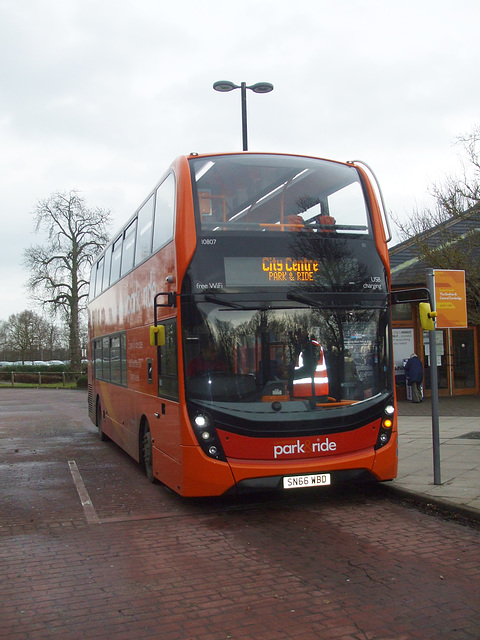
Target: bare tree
<point>26,333</point>
<point>462,192</point>
<point>436,237</point>
<point>3,338</point>
<point>60,268</point>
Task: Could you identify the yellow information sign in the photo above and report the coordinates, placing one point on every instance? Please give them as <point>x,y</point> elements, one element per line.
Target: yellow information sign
<point>450,299</point>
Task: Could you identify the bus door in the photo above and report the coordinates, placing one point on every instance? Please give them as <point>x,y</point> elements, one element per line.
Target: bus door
<point>168,434</point>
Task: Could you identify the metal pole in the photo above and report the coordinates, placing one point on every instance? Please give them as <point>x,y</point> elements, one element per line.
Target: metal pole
<point>432,339</point>
<point>244,115</point>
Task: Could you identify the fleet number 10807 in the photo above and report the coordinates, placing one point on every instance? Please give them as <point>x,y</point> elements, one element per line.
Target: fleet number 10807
<point>314,480</point>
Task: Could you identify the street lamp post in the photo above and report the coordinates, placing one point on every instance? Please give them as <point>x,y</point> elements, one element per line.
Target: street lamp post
<point>259,87</point>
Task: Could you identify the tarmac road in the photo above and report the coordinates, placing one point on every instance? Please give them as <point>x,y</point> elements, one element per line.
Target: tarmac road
<point>89,549</point>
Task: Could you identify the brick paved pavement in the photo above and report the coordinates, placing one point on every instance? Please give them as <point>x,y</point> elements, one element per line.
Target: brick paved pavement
<point>463,406</point>
<point>459,453</point>
<point>306,571</point>
<point>340,565</point>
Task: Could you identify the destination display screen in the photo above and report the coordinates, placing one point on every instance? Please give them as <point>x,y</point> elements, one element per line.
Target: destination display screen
<point>272,265</point>
<point>268,271</point>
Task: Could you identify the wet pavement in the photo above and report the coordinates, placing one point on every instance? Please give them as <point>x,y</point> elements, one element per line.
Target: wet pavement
<point>459,434</point>
<point>90,550</point>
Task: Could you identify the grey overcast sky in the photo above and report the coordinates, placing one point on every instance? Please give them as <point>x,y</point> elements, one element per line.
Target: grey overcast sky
<point>100,96</point>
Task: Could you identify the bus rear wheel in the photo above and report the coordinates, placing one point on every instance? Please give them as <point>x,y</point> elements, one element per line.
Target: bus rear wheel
<point>98,421</point>
<point>147,453</point>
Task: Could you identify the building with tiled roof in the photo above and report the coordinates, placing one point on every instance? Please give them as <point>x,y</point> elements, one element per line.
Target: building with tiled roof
<point>453,244</point>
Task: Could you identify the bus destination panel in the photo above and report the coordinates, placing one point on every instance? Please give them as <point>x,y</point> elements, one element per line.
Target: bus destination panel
<point>248,271</point>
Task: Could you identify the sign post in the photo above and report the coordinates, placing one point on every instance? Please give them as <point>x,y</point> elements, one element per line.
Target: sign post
<point>432,341</point>
<point>448,295</point>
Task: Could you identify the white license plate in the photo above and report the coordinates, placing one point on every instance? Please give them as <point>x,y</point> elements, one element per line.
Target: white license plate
<point>312,480</point>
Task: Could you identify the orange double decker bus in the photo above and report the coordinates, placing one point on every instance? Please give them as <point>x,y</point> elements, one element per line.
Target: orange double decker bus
<point>239,327</point>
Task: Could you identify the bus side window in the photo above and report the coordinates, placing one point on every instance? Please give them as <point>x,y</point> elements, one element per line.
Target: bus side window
<point>106,270</point>
<point>106,359</point>
<point>93,272</point>
<point>144,231</point>
<point>123,358</point>
<point>110,358</point>
<point>116,259</point>
<point>164,213</point>
<point>99,277</point>
<point>167,363</point>
<point>115,360</point>
<point>97,358</point>
<point>128,248</point>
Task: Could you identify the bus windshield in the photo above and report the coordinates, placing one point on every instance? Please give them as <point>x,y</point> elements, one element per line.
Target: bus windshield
<point>322,357</point>
<point>258,192</point>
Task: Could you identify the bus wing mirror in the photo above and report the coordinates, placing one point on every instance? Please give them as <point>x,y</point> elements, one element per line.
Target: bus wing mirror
<point>157,336</point>
<point>403,296</point>
<point>427,316</point>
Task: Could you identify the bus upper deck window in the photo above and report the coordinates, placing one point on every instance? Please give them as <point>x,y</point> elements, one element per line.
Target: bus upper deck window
<point>144,231</point>
<point>164,213</point>
<point>128,248</point>
<point>106,270</point>
<point>268,193</point>
<point>116,259</point>
<point>99,276</point>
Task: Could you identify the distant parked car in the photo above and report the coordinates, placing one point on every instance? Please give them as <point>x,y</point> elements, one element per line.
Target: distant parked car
<point>3,363</point>
<point>55,363</point>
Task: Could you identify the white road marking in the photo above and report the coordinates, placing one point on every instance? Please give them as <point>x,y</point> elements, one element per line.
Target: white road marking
<point>88,508</point>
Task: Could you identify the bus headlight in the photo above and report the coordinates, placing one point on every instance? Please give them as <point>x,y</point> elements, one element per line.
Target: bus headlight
<point>383,438</point>
<point>201,420</point>
<point>386,426</point>
<point>206,434</point>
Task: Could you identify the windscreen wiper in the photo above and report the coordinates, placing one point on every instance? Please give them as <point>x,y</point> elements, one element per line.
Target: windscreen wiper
<point>332,228</point>
<point>299,297</point>
<point>336,300</point>
<point>212,297</point>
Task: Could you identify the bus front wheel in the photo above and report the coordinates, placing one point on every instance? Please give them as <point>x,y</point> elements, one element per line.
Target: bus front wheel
<point>147,453</point>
